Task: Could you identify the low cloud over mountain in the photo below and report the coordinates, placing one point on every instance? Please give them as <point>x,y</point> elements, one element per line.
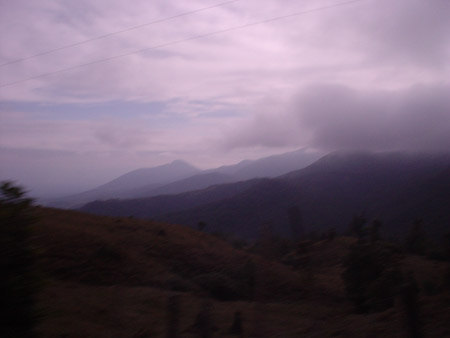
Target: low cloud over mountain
<point>331,117</point>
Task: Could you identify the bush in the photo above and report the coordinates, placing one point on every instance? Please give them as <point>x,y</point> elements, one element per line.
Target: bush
<point>416,241</point>
<point>17,284</point>
<point>176,283</point>
<point>219,286</point>
<point>430,288</point>
<point>371,277</point>
<point>108,254</point>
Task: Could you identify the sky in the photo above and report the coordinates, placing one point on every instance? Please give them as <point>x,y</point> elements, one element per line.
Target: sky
<point>214,83</point>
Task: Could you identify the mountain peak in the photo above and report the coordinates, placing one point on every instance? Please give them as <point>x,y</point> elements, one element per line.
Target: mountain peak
<point>180,165</point>
<point>180,162</point>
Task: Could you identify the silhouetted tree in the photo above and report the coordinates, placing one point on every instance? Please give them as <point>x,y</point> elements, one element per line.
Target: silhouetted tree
<point>17,282</point>
<point>447,245</point>
<point>409,297</point>
<point>203,323</point>
<point>374,231</point>
<point>250,278</point>
<point>220,286</point>
<point>265,246</point>
<point>356,226</point>
<point>296,222</point>
<point>416,239</point>
<point>236,327</point>
<point>201,226</point>
<point>371,277</point>
<point>331,234</point>
<point>447,270</point>
<point>173,317</point>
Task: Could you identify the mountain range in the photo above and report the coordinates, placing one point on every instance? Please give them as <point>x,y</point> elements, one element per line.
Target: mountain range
<point>180,176</point>
<point>396,188</point>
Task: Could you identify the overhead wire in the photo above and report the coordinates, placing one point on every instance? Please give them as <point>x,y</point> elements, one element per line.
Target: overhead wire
<point>175,42</point>
<point>99,37</point>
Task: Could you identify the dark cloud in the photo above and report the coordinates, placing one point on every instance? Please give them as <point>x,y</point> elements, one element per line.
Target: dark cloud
<point>120,138</point>
<point>413,32</point>
<point>414,119</point>
<point>332,117</point>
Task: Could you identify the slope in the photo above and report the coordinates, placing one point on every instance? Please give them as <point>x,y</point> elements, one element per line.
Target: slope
<point>179,176</point>
<point>127,184</point>
<point>108,277</point>
<point>396,188</point>
<point>158,206</point>
<point>276,165</point>
<point>105,277</point>
<point>196,182</point>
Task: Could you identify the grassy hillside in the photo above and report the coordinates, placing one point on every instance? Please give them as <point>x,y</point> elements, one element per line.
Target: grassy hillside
<point>396,188</point>
<point>113,277</point>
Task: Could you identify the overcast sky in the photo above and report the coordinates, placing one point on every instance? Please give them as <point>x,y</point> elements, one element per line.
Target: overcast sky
<point>369,74</point>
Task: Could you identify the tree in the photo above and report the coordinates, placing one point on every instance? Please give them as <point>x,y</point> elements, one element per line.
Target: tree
<point>416,238</point>
<point>356,226</point>
<point>201,226</point>
<point>371,277</point>
<point>16,262</point>
<point>409,298</point>
<point>330,234</point>
<point>447,271</point>
<point>236,327</point>
<point>296,222</point>
<point>374,231</point>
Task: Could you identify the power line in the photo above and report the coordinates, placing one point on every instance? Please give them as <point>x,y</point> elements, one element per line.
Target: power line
<point>118,32</point>
<point>277,18</point>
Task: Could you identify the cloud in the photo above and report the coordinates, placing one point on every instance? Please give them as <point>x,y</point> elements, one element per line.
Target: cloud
<point>331,117</point>
<point>411,31</point>
<point>372,74</point>
<point>362,43</point>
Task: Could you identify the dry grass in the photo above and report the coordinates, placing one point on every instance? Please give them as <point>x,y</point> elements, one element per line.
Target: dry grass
<point>111,277</point>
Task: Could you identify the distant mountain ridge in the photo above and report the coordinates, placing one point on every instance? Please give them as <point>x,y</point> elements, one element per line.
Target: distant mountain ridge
<point>271,166</point>
<point>191,183</point>
<point>179,176</point>
<point>396,188</point>
<point>125,185</point>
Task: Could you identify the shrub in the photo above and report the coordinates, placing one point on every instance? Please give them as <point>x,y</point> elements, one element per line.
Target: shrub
<point>219,286</point>
<point>17,285</point>
<point>430,288</point>
<point>108,254</point>
<point>371,277</point>
<point>176,283</point>
<point>415,242</point>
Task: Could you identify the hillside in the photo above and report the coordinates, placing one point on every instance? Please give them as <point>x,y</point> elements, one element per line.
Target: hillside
<point>179,176</point>
<point>393,187</point>
<point>196,182</point>
<point>129,184</point>
<point>271,166</point>
<point>103,277</point>
<point>158,206</point>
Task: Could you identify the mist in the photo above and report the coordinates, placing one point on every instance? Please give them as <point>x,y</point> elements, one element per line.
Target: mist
<point>365,75</point>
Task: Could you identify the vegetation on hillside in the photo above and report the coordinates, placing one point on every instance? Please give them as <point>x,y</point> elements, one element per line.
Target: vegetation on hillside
<point>133,278</point>
<point>112,276</point>
<point>17,284</point>
<point>396,188</point>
